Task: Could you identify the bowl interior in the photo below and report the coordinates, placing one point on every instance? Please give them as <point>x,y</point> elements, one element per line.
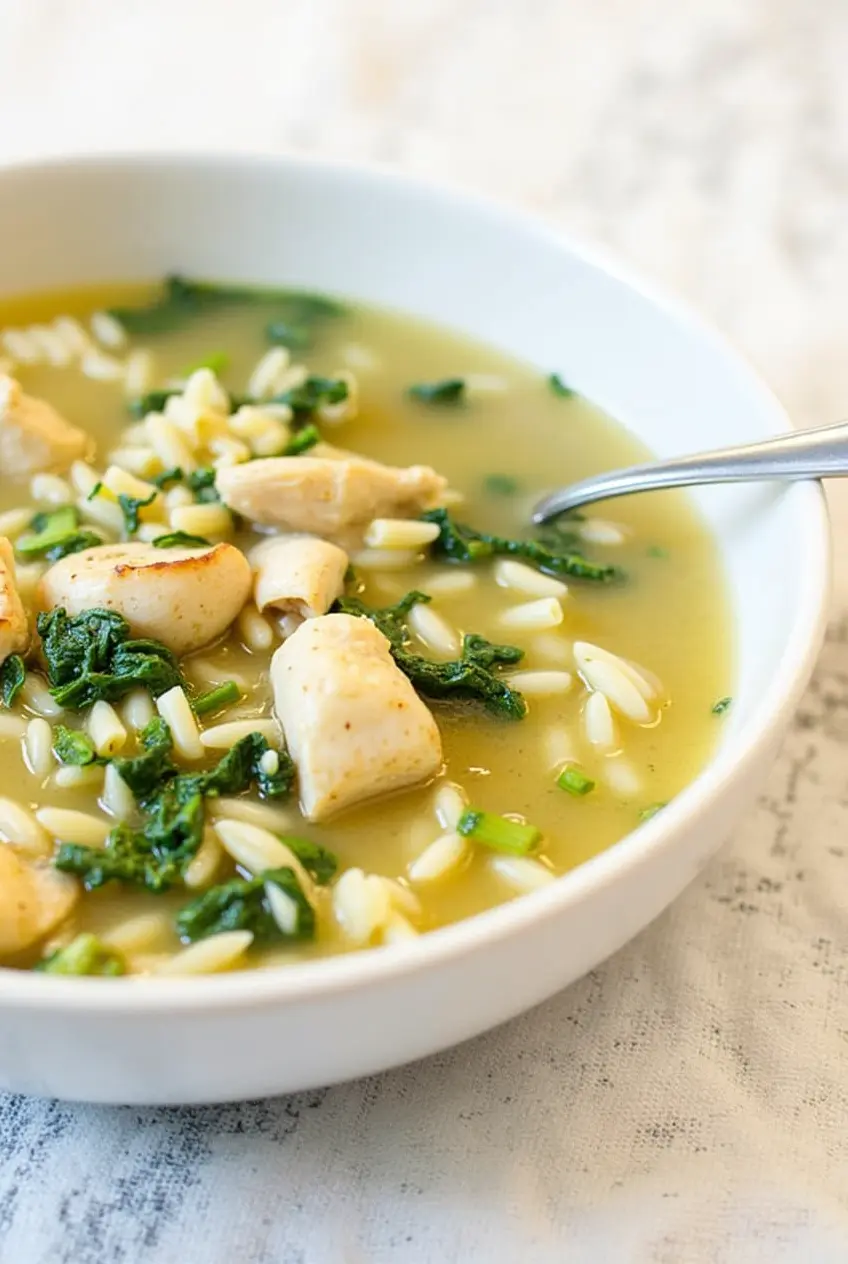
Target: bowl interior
<point>489,273</point>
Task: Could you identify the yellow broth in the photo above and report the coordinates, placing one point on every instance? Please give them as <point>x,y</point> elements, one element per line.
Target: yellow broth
<point>670,614</point>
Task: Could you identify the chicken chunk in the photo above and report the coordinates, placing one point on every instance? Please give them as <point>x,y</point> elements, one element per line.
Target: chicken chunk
<point>33,436</point>
<point>182,597</point>
<point>353,723</point>
<point>326,495</point>
<point>298,575</point>
<point>34,899</point>
<point>14,628</point>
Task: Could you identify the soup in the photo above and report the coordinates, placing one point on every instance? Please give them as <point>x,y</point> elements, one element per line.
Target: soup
<point>323,703</point>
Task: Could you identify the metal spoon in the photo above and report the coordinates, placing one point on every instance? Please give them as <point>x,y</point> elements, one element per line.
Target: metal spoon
<point>821,453</point>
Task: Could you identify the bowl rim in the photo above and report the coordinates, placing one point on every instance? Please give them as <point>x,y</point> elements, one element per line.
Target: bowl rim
<point>318,979</point>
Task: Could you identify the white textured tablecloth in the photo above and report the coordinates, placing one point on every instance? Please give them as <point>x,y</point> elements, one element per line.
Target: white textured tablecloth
<point>687,1101</point>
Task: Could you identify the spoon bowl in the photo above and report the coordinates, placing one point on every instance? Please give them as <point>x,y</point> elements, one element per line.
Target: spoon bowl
<point>821,453</point>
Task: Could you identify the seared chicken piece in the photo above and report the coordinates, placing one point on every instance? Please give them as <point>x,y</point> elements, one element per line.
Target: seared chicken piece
<point>326,495</point>
<point>34,899</point>
<point>33,436</point>
<point>298,575</point>
<point>353,723</point>
<point>14,629</point>
<point>182,597</point>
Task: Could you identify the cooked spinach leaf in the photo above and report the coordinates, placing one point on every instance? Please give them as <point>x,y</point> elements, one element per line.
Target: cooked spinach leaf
<point>244,904</point>
<point>318,862</point>
<point>472,676</point>
<point>155,856</point>
<point>72,746</point>
<point>458,542</point>
<point>90,656</point>
<point>12,677</point>
<point>84,955</point>
<point>449,392</point>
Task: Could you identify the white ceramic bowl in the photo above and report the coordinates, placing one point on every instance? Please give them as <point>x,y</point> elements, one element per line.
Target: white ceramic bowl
<point>511,282</point>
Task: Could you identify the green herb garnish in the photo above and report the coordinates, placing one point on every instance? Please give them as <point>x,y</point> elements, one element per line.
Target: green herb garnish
<point>722,706</point>
<point>84,955</point>
<point>12,677</point>
<point>501,484</point>
<point>313,394</point>
<point>130,506</point>
<point>498,832</point>
<point>645,814</point>
<point>457,542</point>
<point>280,333</point>
<point>472,676</point>
<point>574,780</point>
<point>202,483</point>
<point>447,393</point>
<point>559,387</point>
<point>152,402</point>
<point>167,477</point>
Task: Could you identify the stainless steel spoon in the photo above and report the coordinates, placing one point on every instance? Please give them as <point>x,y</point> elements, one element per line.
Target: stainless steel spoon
<point>821,453</point>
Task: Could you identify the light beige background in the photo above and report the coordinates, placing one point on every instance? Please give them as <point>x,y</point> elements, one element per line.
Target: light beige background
<point>688,1100</point>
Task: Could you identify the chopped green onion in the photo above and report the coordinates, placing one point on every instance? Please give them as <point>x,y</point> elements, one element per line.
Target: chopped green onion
<point>559,387</point>
<point>501,484</point>
<point>574,780</point>
<point>651,810</point>
<point>84,955</point>
<point>723,705</point>
<point>222,695</point>
<point>95,491</point>
<point>54,535</point>
<point>449,391</point>
<point>180,540</point>
<point>498,832</point>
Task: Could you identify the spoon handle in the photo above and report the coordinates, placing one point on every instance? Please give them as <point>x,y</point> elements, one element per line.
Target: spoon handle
<point>821,453</point>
